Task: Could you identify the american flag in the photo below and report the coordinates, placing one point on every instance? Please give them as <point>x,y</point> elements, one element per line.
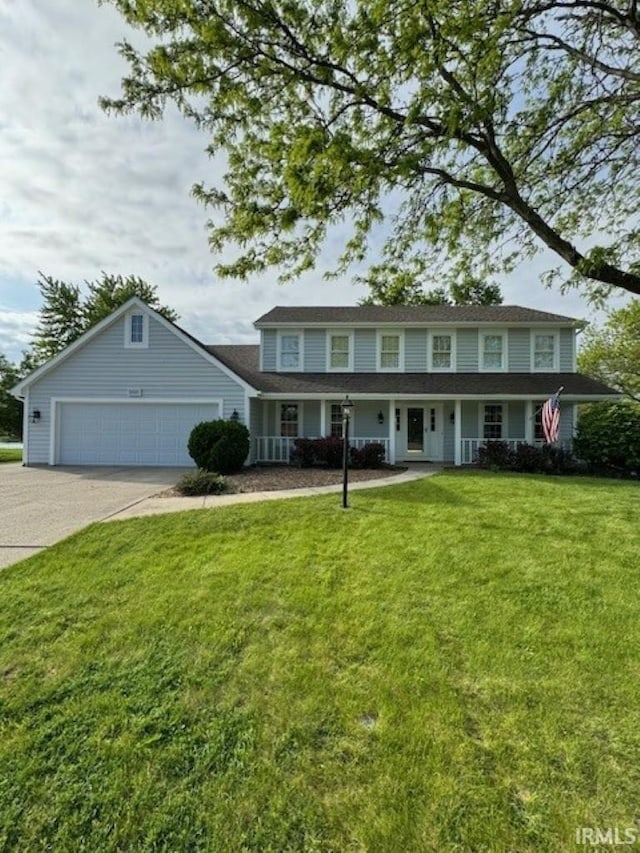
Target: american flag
<point>551,418</point>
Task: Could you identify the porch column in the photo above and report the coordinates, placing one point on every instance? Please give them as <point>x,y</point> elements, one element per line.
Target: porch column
<point>457,433</point>
<point>528,422</point>
<point>391,420</point>
<point>323,418</point>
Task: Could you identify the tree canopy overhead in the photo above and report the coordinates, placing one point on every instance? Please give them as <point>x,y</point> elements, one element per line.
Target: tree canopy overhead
<point>612,353</point>
<point>491,129</point>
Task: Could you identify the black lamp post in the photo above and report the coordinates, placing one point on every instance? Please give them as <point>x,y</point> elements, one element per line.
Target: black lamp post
<point>347,410</point>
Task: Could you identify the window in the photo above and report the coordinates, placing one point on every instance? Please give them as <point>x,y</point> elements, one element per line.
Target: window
<point>289,351</point>
<point>538,434</point>
<point>136,330</point>
<point>492,421</point>
<point>336,420</point>
<point>289,420</point>
<point>544,351</point>
<point>340,349</point>
<point>390,351</point>
<point>441,352</point>
<point>492,355</point>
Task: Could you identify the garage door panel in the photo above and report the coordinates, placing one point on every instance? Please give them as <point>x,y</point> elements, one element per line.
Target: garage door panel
<point>128,433</point>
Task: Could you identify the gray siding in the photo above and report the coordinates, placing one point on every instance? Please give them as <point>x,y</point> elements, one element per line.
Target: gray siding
<point>311,418</point>
<point>469,419</point>
<point>467,351</point>
<point>364,350</point>
<point>567,344</point>
<point>519,350</point>
<point>269,349</point>
<point>365,419</point>
<point>167,369</point>
<point>448,448</point>
<point>415,350</point>
<point>515,420</point>
<point>315,358</point>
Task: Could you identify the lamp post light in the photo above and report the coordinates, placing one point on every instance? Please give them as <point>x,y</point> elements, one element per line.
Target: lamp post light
<point>347,411</point>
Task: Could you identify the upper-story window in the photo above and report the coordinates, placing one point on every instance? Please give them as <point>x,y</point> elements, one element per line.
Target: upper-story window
<point>493,351</point>
<point>544,351</point>
<point>390,351</point>
<point>340,351</point>
<point>290,351</point>
<point>136,330</point>
<point>442,351</point>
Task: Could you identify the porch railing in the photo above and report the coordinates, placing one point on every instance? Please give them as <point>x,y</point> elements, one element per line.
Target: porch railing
<point>276,448</point>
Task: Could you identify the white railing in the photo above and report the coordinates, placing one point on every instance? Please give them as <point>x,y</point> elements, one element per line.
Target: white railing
<point>276,448</point>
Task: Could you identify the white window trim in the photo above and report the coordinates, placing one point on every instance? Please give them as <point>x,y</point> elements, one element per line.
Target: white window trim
<point>384,333</point>
<point>343,333</point>
<point>482,333</point>
<point>279,405</point>
<point>128,343</point>
<point>290,333</point>
<point>505,418</point>
<point>436,333</point>
<point>556,350</point>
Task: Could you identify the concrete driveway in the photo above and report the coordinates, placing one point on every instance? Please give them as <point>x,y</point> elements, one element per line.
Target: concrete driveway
<point>40,506</point>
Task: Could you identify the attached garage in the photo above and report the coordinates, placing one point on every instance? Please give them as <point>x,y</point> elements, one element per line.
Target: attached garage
<point>127,432</point>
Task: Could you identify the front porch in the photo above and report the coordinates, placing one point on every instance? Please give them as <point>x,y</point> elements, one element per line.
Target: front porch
<point>410,430</point>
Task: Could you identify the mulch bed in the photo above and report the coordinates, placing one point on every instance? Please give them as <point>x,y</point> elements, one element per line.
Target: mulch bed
<point>267,478</point>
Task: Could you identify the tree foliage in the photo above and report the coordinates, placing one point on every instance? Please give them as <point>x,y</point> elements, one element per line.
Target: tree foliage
<point>489,129</point>
<point>10,408</point>
<point>66,313</point>
<point>612,353</point>
<point>608,437</point>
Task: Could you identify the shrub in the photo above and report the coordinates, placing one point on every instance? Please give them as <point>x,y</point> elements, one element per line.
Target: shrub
<point>220,446</point>
<point>329,450</point>
<point>303,452</point>
<point>608,438</point>
<point>370,455</point>
<point>201,482</point>
<point>495,455</point>
<point>317,451</point>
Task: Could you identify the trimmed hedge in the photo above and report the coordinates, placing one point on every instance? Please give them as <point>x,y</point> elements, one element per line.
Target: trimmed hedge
<point>608,438</point>
<point>328,451</point>
<point>220,446</point>
<point>527,458</point>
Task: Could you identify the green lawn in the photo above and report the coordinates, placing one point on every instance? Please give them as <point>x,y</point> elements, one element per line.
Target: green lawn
<point>9,454</point>
<point>450,665</point>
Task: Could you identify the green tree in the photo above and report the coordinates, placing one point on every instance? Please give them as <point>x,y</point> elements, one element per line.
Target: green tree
<point>393,285</point>
<point>490,129</point>
<point>10,408</point>
<point>612,353</point>
<point>66,313</point>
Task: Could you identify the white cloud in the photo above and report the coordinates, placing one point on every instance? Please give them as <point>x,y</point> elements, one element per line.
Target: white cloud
<point>82,192</point>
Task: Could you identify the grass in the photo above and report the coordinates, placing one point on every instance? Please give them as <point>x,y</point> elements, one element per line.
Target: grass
<point>451,665</point>
<point>9,454</point>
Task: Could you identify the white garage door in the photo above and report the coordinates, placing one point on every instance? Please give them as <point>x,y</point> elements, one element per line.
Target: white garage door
<point>128,433</point>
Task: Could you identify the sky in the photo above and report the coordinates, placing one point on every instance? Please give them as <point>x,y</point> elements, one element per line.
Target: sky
<point>82,192</point>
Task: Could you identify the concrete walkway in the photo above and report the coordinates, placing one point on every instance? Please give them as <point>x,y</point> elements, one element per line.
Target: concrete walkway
<point>158,505</point>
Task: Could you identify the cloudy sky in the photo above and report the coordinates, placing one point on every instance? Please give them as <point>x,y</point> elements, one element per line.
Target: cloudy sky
<point>82,192</point>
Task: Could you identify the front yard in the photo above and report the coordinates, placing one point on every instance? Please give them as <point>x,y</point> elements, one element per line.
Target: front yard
<point>10,454</point>
<point>451,664</point>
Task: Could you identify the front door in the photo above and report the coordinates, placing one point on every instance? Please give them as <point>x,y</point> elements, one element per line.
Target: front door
<point>424,433</point>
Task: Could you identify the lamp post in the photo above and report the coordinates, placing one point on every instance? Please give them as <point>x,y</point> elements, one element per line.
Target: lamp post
<point>347,410</point>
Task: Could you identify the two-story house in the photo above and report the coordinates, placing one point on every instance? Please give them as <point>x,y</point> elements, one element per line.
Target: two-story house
<point>431,383</point>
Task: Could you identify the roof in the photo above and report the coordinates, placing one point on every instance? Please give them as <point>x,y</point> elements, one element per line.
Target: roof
<point>407,315</point>
<point>244,360</point>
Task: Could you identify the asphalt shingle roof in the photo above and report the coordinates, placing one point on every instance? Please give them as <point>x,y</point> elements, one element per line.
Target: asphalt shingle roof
<point>243,359</point>
<point>507,314</point>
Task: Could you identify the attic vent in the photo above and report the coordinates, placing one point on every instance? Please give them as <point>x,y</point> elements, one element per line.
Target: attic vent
<point>134,392</point>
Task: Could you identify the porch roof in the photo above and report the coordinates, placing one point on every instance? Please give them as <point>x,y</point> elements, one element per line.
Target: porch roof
<point>244,360</point>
